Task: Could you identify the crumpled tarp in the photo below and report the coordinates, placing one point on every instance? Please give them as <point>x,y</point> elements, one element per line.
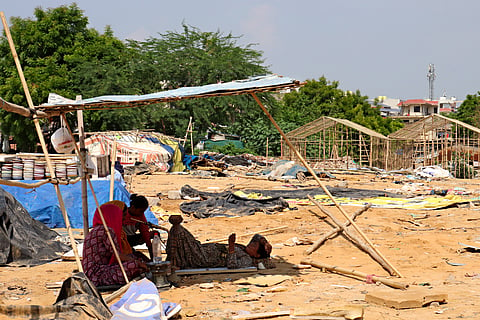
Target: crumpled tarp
<point>42,202</point>
<point>78,300</point>
<point>227,204</point>
<point>23,240</point>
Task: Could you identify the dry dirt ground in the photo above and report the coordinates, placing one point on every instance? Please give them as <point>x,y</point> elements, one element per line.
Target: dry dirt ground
<point>422,244</point>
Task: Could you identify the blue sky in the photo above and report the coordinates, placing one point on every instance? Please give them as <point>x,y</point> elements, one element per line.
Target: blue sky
<point>380,47</point>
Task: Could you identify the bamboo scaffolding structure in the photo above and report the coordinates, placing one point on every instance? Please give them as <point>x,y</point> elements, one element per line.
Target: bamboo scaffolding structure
<point>324,188</point>
<point>355,273</point>
<point>42,139</point>
<point>84,165</point>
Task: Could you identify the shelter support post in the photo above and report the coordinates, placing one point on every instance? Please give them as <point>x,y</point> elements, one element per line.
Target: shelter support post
<point>42,139</point>
<point>84,166</point>
<point>112,169</point>
<point>84,173</point>
<point>324,188</point>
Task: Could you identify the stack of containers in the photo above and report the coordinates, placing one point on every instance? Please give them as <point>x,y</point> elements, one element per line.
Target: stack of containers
<point>7,171</point>
<point>61,170</point>
<point>39,170</point>
<point>28,169</point>
<point>17,172</point>
<point>72,170</point>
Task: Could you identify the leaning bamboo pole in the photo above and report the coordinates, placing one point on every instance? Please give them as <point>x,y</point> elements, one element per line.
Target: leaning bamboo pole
<point>42,140</point>
<point>84,165</point>
<point>324,188</point>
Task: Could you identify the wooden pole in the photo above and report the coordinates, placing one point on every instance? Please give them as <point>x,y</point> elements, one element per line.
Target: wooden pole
<point>84,165</point>
<point>335,231</point>
<point>266,152</point>
<point>42,140</point>
<point>112,169</point>
<point>359,274</point>
<point>324,188</point>
<point>84,173</point>
<point>355,239</point>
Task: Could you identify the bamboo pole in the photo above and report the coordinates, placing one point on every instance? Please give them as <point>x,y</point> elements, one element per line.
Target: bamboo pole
<point>112,169</point>
<point>324,188</point>
<point>335,231</point>
<point>84,172</point>
<point>355,239</point>
<point>42,139</point>
<point>355,273</point>
<point>84,165</point>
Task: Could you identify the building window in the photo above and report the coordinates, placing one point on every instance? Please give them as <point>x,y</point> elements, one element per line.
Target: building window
<point>435,110</point>
<point>416,108</point>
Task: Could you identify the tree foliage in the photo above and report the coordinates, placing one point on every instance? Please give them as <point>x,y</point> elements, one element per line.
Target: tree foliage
<point>58,53</point>
<point>469,110</point>
<point>323,98</point>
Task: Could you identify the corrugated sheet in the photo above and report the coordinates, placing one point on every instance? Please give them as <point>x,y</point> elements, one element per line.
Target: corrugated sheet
<point>251,85</point>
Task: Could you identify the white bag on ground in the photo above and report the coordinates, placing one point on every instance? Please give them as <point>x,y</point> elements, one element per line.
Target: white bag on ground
<point>62,141</point>
<point>142,301</point>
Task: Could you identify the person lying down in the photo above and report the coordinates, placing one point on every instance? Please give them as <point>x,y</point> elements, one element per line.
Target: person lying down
<point>185,252</point>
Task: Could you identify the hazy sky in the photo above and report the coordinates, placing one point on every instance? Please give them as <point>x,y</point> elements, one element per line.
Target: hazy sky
<point>380,47</point>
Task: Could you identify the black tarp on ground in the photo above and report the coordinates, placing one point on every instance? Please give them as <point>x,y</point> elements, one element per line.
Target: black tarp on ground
<point>226,204</point>
<point>25,241</point>
<point>78,300</point>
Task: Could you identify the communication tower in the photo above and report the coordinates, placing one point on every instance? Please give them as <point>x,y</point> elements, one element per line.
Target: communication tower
<point>431,78</point>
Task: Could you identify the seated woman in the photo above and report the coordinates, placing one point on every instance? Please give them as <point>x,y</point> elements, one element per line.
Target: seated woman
<point>184,251</point>
<point>125,246</point>
<point>99,262</point>
<point>131,224</point>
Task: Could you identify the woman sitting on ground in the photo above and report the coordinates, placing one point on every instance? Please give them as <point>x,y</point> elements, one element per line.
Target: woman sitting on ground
<point>184,251</point>
<point>131,224</point>
<point>99,262</point>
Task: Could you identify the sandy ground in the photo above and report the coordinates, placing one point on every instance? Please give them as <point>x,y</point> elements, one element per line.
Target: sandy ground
<point>422,244</point>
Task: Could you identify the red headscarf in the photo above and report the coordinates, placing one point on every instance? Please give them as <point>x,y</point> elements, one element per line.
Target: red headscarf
<point>113,218</point>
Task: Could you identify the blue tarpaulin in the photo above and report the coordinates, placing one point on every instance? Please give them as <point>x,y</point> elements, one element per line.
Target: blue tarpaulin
<point>42,202</point>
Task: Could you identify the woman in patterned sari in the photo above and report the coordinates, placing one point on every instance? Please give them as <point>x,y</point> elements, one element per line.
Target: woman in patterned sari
<point>99,262</point>
<point>184,251</point>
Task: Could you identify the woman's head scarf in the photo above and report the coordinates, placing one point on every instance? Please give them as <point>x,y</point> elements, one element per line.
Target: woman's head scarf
<point>113,218</point>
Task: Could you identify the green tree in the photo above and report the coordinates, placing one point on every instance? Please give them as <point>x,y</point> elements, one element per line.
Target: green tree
<point>194,58</point>
<point>323,98</point>
<point>469,110</point>
<point>60,54</point>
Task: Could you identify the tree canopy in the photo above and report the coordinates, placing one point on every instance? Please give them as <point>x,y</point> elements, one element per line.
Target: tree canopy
<point>469,110</point>
<point>321,97</point>
<point>60,54</point>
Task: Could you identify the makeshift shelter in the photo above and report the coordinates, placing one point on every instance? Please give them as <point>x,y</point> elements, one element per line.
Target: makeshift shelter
<point>437,140</point>
<point>138,146</point>
<point>331,143</point>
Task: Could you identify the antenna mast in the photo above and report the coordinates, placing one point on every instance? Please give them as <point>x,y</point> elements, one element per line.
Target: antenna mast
<point>431,77</point>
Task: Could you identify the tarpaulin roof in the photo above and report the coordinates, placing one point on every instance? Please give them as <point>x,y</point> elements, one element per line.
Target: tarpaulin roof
<point>237,87</point>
